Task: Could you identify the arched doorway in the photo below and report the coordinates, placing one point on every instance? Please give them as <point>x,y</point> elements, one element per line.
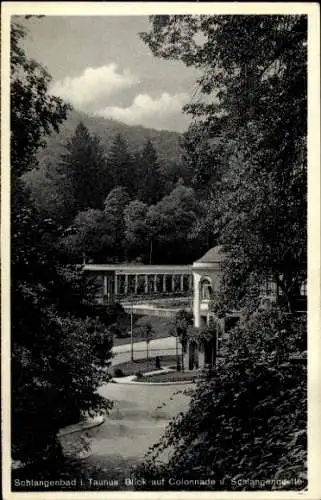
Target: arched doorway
<point>206,289</point>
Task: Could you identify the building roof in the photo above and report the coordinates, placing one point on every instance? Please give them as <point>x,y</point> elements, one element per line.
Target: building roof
<point>215,254</point>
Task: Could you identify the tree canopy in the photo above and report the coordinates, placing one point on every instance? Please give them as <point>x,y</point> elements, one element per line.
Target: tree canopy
<point>247,144</point>
<point>83,170</point>
<point>246,148</point>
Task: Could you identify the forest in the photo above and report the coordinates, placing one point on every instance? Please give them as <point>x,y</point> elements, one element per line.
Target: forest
<point>119,204</point>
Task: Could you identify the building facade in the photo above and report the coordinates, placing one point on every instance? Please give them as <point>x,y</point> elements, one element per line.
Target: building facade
<point>203,347</point>
<point>120,281</point>
<point>202,280</point>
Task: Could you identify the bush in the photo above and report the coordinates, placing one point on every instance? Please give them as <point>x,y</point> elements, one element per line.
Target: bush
<point>118,372</point>
<point>138,375</point>
<point>247,420</point>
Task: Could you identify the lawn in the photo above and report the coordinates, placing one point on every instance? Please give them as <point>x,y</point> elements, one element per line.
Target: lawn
<point>161,327</point>
<point>172,377</point>
<point>143,366</point>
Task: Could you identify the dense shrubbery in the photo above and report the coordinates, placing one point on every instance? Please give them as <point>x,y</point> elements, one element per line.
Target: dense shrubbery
<point>60,349</point>
<point>247,420</point>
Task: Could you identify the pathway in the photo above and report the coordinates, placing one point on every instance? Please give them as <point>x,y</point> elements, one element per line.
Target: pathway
<point>157,347</point>
<point>136,422</point>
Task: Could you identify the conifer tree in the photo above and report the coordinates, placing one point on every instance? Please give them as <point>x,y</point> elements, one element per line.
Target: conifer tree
<point>83,168</point>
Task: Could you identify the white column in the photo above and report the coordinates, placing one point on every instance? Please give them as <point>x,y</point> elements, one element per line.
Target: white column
<point>126,284</point>
<point>182,283</point>
<point>155,283</point>
<point>164,282</point>
<point>116,285</point>
<point>173,282</point>
<point>197,305</point>
<point>136,283</point>
<point>146,283</point>
<point>105,289</point>
<point>190,282</point>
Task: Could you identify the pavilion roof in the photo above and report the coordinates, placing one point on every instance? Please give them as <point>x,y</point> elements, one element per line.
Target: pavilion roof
<point>215,254</point>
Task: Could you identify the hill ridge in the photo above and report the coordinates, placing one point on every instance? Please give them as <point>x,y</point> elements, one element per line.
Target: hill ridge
<point>166,142</point>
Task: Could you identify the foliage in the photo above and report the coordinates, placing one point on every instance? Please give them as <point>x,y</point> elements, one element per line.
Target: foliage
<point>149,186</point>
<point>183,321</point>
<point>59,354</point>
<point>247,421</point>
<point>118,372</point>
<point>114,207</point>
<point>171,221</point>
<point>88,236</point>
<point>247,147</point>
<point>146,331</point>
<point>160,232</point>
<point>56,351</point>
<point>204,333</point>
<point>121,164</point>
<point>84,172</point>
<point>99,234</point>
<point>137,232</point>
<point>47,191</point>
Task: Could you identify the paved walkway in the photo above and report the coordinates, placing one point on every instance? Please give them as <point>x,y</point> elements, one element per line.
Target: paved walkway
<point>157,347</point>
<point>130,379</point>
<point>85,424</point>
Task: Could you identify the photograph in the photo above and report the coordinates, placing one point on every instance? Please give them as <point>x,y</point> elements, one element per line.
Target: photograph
<point>159,214</point>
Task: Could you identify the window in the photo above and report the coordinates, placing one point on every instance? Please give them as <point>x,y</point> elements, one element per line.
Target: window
<point>303,289</point>
<point>206,289</point>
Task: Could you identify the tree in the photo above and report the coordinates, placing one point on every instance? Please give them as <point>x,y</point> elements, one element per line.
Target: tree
<point>114,209</point>
<point>172,220</point>
<point>59,356</point>
<point>47,190</point>
<point>245,420</point>
<point>83,170</point>
<point>147,331</point>
<point>183,320</point>
<point>255,112</point>
<point>172,171</point>
<point>149,179</point>
<point>88,237</point>
<point>137,230</point>
<point>261,225</point>
<point>121,166</point>
<point>253,121</point>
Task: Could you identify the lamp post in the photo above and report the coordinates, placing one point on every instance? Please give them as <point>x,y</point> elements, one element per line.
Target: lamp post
<point>131,333</point>
<point>176,345</point>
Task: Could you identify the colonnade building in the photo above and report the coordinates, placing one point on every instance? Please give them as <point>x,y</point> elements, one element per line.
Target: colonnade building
<point>118,281</point>
<point>202,281</point>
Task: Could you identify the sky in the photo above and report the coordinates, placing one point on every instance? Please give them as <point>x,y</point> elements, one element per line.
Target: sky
<point>100,65</point>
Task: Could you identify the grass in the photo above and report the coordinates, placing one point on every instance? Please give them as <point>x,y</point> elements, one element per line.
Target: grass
<point>143,366</point>
<point>172,377</point>
<point>161,327</point>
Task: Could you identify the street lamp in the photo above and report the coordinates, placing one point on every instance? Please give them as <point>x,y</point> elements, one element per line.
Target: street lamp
<point>177,356</point>
<point>131,333</point>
